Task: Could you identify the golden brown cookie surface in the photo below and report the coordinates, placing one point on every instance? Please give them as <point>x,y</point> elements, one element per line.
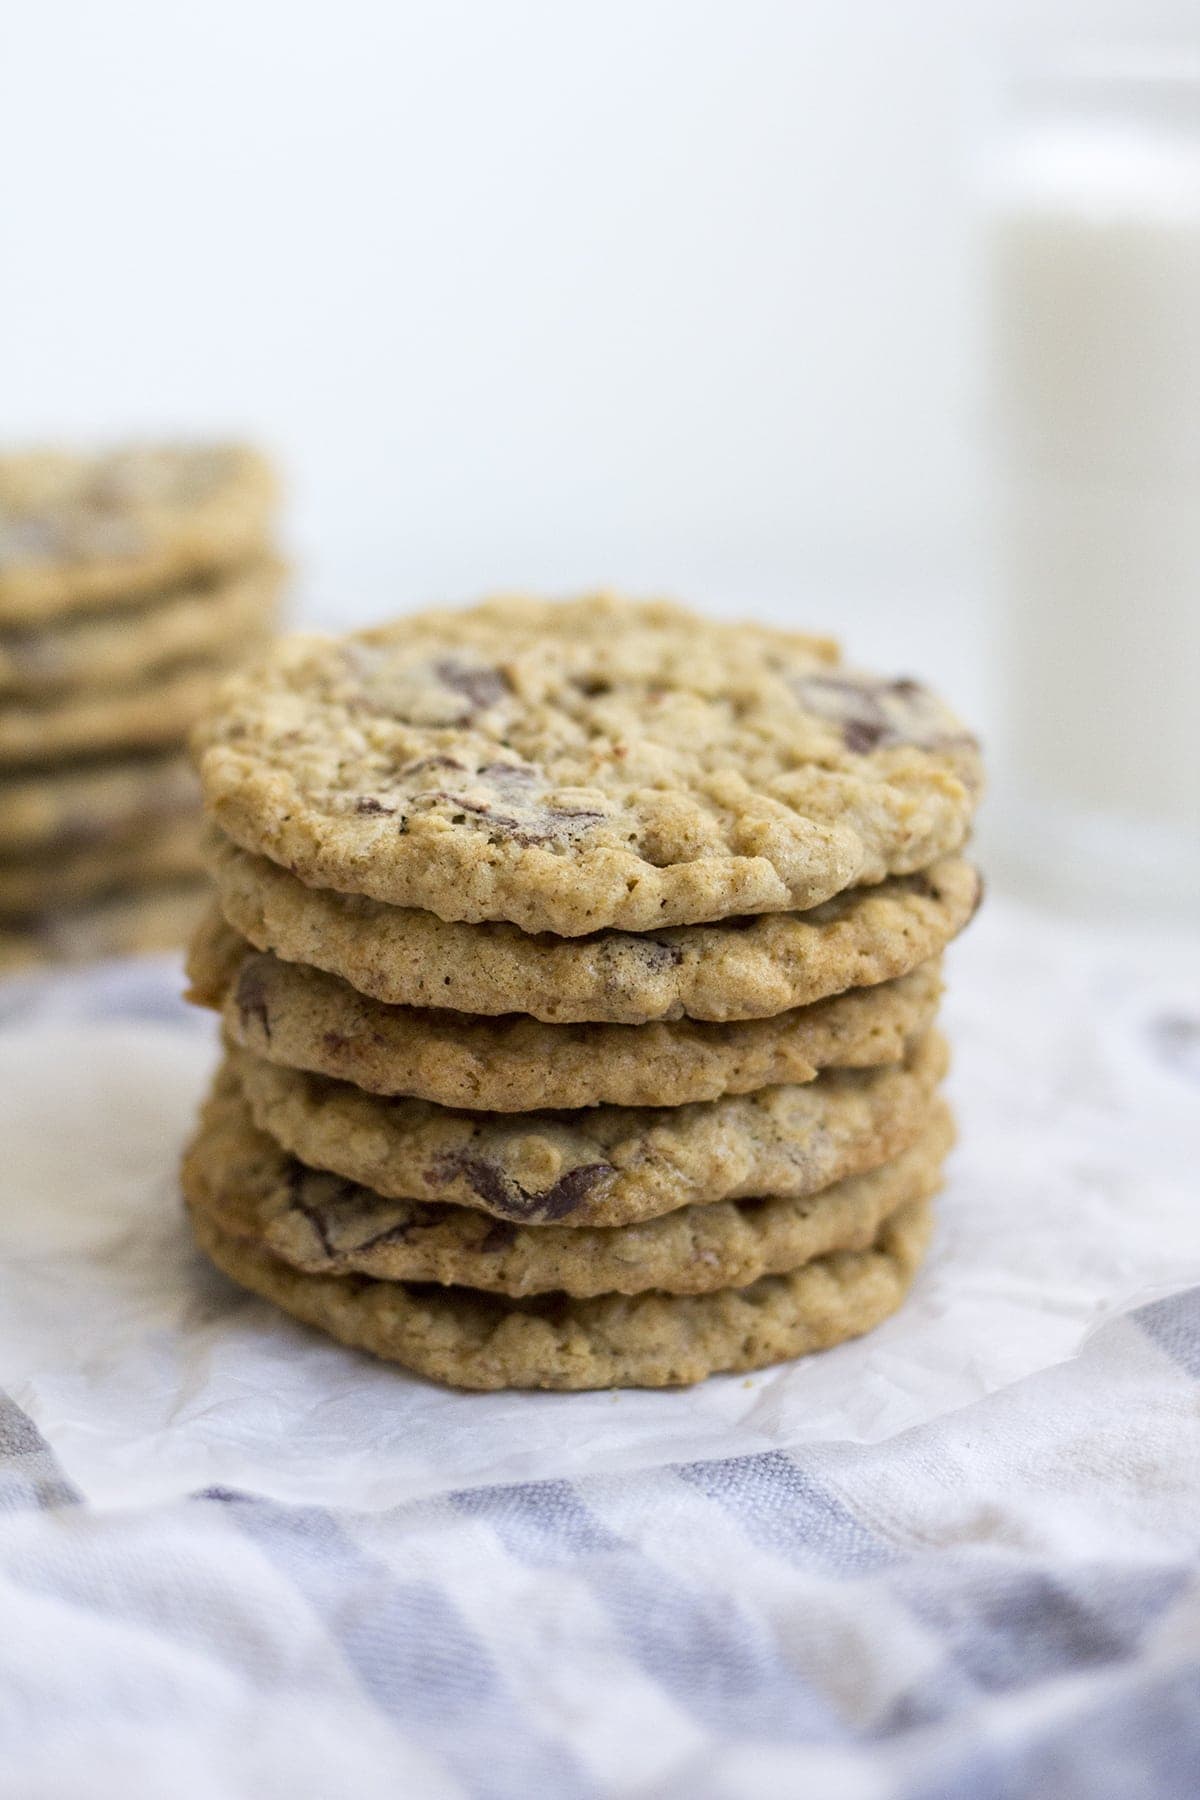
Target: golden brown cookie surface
<point>93,651</point>
<point>604,1165</point>
<point>738,969</point>
<point>584,766</point>
<point>304,1019</point>
<point>470,1339</point>
<point>84,531</point>
<point>325,1225</point>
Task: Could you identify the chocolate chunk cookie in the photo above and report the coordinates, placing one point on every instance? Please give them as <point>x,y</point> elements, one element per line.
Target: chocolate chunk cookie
<point>86,652</point>
<point>67,808</point>
<point>165,852</point>
<point>585,766</point>
<point>151,715</point>
<point>739,969</point>
<point>325,1225</point>
<point>305,1019</point>
<point>606,1165</point>
<point>138,922</point>
<point>471,1339</point>
<point>79,532</point>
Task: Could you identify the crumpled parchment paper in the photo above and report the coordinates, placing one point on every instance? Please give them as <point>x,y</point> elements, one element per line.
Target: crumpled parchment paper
<point>1074,1195</point>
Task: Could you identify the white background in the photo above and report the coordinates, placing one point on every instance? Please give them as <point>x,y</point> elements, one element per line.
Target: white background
<point>671,294</point>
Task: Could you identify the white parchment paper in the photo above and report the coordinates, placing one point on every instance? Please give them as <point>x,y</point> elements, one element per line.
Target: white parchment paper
<point>1074,1194</point>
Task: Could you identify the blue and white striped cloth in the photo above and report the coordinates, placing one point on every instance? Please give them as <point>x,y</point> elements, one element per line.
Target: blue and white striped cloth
<point>984,1584</point>
<point>1003,1603</point>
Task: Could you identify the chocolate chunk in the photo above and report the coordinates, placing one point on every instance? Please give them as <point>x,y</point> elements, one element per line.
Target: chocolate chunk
<point>862,735</point>
<point>344,1216</point>
<point>543,825</point>
<point>875,715</point>
<point>420,1216</point>
<point>509,1198</point>
<point>502,774</point>
<point>483,687</point>
<point>625,958</point>
<point>367,803</point>
<point>558,824</point>
<point>432,762</point>
<point>853,705</point>
<point>311,1211</point>
<point>654,954</point>
<point>442,796</point>
<point>500,1235</point>
<point>251,994</point>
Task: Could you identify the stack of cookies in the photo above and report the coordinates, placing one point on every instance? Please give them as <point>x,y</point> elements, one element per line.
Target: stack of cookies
<point>130,583</point>
<point>578,967</point>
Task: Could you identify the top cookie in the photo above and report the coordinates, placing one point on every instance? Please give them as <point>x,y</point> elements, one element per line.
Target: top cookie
<point>578,766</point>
<point>85,531</point>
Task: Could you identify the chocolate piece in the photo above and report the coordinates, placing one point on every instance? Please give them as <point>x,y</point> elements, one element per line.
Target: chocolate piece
<point>878,715</point>
<point>250,995</point>
<point>500,1235</point>
<point>508,1196</point>
<point>483,687</point>
<point>311,1211</point>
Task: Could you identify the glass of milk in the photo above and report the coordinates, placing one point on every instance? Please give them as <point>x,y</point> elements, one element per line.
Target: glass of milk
<point>1093,271</point>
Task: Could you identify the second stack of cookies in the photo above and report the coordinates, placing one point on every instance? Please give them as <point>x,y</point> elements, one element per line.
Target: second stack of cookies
<point>568,1146</point>
<point>130,582</point>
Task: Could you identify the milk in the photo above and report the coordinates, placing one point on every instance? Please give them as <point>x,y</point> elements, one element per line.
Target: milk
<point>1094,277</point>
